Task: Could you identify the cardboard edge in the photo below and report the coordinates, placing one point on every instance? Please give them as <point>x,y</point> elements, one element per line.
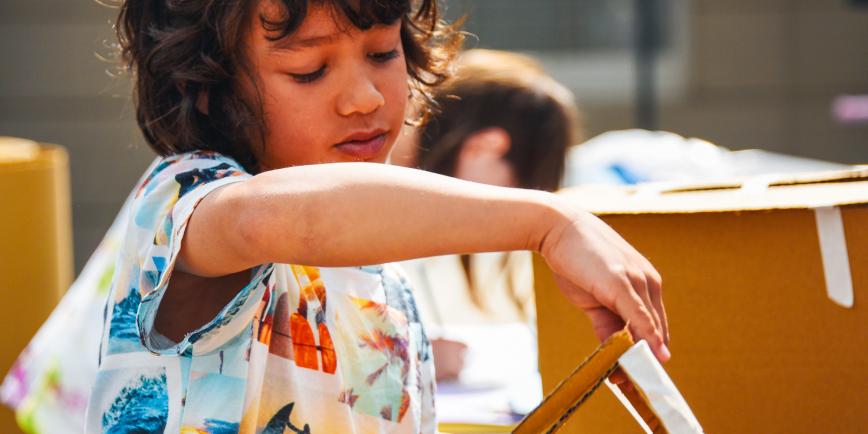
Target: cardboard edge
<point>757,193</point>
<point>571,392</point>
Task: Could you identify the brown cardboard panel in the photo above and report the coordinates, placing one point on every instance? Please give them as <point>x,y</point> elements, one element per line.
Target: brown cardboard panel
<point>856,229</point>
<point>757,345</point>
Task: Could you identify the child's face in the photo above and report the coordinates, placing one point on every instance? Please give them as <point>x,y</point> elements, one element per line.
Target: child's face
<point>330,92</point>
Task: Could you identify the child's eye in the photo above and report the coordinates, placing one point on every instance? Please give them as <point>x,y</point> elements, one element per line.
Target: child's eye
<point>309,77</point>
<point>384,56</point>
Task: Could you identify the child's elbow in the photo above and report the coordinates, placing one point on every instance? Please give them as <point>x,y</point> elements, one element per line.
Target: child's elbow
<point>251,241</point>
<point>242,226</point>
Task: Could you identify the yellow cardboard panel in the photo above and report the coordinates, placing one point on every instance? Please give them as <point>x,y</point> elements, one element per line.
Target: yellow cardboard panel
<point>35,248</point>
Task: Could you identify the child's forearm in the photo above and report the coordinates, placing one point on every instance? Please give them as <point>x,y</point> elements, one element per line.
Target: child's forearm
<point>358,213</point>
<point>354,214</point>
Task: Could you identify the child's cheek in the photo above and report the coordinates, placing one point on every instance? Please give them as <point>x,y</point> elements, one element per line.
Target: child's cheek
<point>398,91</point>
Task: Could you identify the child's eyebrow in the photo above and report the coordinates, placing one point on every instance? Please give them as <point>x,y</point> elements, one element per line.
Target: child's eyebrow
<point>293,44</point>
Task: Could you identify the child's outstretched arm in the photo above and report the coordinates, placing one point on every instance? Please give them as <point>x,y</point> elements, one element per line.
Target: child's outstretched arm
<point>360,213</point>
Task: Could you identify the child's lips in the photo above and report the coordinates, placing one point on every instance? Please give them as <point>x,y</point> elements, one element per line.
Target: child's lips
<point>364,148</point>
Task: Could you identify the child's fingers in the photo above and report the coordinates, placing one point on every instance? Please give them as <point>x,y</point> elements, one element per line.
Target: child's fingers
<point>604,322</point>
<point>655,292</point>
<point>631,308</point>
<point>609,310</point>
<point>649,287</point>
<point>640,284</point>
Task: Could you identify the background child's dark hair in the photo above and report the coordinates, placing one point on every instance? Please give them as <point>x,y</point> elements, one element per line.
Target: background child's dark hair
<point>179,50</point>
<point>510,91</point>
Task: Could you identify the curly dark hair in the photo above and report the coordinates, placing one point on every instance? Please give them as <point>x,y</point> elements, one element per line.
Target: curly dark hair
<point>177,50</point>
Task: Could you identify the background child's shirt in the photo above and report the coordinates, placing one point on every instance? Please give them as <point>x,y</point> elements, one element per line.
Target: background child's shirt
<point>299,349</point>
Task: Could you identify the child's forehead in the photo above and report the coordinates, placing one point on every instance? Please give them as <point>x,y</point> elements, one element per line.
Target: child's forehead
<point>322,18</point>
<point>319,17</point>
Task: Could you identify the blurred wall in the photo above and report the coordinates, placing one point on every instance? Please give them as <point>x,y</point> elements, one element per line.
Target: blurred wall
<point>757,74</point>
<point>763,74</point>
<point>54,88</point>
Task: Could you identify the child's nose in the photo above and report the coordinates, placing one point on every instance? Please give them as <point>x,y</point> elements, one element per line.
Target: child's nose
<point>359,95</point>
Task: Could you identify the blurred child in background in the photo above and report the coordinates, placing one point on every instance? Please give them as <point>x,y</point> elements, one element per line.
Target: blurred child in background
<point>500,120</point>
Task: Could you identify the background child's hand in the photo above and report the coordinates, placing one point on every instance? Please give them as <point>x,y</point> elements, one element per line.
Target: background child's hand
<point>608,279</point>
<point>448,358</point>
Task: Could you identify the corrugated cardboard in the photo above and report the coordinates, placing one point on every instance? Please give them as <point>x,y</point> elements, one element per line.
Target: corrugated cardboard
<point>569,394</point>
<point>576,388</point>
<point>758,345</point>
<point>649,394</point>
<point>654,401</point>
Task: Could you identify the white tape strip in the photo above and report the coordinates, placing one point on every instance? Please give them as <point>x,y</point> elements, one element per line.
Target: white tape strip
<point>833,249</point>
<point>628,405</point>
<point>661,394</point>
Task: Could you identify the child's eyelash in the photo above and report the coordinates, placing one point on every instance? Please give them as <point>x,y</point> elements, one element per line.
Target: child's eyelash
<point>313,76</point>
<point>384,56</point>
<point>309,77</point>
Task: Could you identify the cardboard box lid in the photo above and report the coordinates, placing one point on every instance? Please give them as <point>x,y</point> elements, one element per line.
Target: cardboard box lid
<point>811,190</point>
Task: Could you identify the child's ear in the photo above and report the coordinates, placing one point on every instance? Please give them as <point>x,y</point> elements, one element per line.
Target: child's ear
<point>492,142</point>
<point>202,102</point>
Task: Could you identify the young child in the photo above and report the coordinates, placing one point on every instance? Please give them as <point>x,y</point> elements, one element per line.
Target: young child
<point>500,120</point>
<point>208,326</point>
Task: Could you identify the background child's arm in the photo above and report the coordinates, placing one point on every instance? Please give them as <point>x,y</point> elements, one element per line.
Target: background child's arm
<point>358,213</point>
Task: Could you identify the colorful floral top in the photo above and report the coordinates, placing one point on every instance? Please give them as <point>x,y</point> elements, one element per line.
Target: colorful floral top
<point>298,350</point>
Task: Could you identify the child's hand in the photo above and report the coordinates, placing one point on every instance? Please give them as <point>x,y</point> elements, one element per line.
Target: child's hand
<point>448,358</point>
<point>607,278</point>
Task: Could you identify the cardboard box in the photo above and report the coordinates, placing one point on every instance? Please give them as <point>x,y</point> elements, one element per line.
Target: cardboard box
<point>767,336</point>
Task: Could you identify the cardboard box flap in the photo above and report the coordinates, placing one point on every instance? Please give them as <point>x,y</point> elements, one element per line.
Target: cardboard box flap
<point>811,190</point>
